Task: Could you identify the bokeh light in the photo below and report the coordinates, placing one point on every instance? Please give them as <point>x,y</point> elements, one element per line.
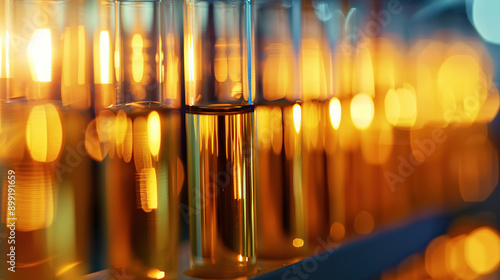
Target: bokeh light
<point>485,17</point>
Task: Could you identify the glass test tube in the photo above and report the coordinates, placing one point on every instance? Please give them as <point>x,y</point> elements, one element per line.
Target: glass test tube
<point>141,140</point>
<point>321,32</point>
<point>36,29</point>
<point>5,8</point>
<point>105,75</point>
<point>31,165</point>
<point>44,58</point>
<point>219,120</point>
<point>281,221</point>
<point>337,126</point>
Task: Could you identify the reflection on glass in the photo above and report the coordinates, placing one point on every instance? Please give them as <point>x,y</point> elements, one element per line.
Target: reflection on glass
<point>220,152</point>
<point>281,217</point>
<point>220,138</point>
<point>139,55</point>
<point>141,187</point>
<point>281,220</point>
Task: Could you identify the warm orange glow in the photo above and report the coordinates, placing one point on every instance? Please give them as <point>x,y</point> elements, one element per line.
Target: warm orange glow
<point>141,150</point>
<point>120,127</point>
<point>236,91</point>
<point>190,70</point>
<point>93,145</point>
<point>6,56</point>
<point>234,59</point>
<point>264,135</point>
<point>241,258</point>
<point>172,69</point>
<point>277,72</point>
<point>7,45</point>
<point>1,60</point>
<point>335,113</point>
<point>297,117</point>
<point>137,58</point>
<point>40,56</point>
<point>74,90</point>
<point>311,114</point>
<point>116,57</point>
<point>220,60</point>
<point>35,199</point>
<point>461,76</point>
<point>377,144</point>
<point>120,130</point>
<point>337,231</point>
<point>180,175</point>
<point>270,132</point>
<point>482,250</point>
<point>435,258</point>
<point>363,77</point>
<point>156,274</point>
<point>362,111</point>
<point>489,110</point>
<point>151,189</point>
<point>401,107</point>
<point>105,124</point>
<point>298,242</point>
<point>44,133</point>
<point>455,258</point>
<point>104,57</point>
<point>154,133</point>
<point>127,145</point>
<point>364,223</point>
<point>276,129</point>
<point>191,59</point>
<point>389,60</point>
<point>148,189</point>
<point>81,55</point>
<point>312,71</point>
<point>453,82</point>
<point>477,168</point>
<point>237,169</point>
<point>159,57</point>
<point>67,268</point>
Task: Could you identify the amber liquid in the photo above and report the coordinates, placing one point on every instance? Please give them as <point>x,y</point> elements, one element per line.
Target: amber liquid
<point>52,199</point>
<point>141,194</point>
<point>281,229</point>
<point>315,122</point>
<point>221,192</point>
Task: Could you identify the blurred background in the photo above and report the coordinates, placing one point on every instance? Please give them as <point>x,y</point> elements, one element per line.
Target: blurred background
<point>360,139</point>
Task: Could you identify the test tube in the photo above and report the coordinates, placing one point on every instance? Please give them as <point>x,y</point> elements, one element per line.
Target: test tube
<point>139,52</point>
<point>5,8</point>
<point>140,138</point>
<point>36,28</point>
<point>219,102</point>
<point>321,33</point>
<point>104,39</point>
<point>281,219</point>
<point>45,57</point>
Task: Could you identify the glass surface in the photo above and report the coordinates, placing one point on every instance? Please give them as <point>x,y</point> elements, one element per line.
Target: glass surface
<point>217,47</point>
<point>35,50</point>
<point>139,53</point>
<point>141,188</point>
<point>219,123</point>
<point>221,198</point>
